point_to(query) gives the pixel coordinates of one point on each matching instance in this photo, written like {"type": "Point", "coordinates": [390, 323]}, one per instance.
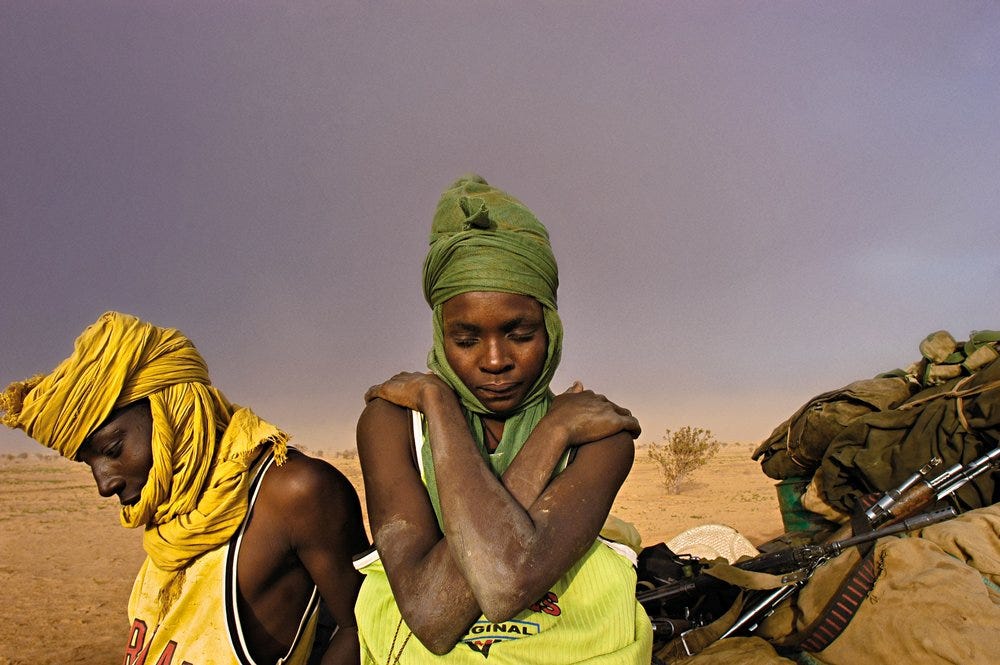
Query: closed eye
{"type": "Point", "coordinates": [522, 333]}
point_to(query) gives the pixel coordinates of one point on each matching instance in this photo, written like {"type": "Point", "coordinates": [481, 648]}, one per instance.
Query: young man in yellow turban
{"type": "Point", "coordinates": [245, 536]}
{"type": "Point", "coordinates": [486, 493]}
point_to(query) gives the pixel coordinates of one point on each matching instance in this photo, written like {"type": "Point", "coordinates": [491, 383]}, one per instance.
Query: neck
{"type": "Point", "coordinates": [493, 432]}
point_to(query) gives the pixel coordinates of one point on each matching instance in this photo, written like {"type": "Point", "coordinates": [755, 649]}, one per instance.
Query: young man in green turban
{"type": "Point", "coordinates": [486, 493]}
{"type": "Point", "coordinates": [244, 535]}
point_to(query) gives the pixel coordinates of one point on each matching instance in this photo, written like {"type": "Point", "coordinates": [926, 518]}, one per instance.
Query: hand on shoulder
{"type": "Point", "coordinates": [411, 390]}
{"type": "Point", "coordinates": [588, 416]}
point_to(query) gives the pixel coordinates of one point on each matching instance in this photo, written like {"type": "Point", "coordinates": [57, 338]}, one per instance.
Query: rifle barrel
{"type": "Point", "coordinates": [907, 524]}
{"type": "Point", "coordinates": [792, 558]}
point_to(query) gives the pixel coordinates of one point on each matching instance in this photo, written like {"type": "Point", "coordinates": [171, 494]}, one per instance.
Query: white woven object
{"type": "Point", "coordinates": [711, 541]}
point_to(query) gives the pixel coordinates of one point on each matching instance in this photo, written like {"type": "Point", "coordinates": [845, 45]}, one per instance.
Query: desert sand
{"type": "Point", "coordinates": [66, 564]}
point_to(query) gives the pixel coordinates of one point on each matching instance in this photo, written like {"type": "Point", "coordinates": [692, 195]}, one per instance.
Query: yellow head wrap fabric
{"type": "Point", "coordinates": [202, 446]}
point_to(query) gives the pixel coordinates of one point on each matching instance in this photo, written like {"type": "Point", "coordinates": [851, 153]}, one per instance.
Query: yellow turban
{"type": "Point", "coordinates": [196, 494]}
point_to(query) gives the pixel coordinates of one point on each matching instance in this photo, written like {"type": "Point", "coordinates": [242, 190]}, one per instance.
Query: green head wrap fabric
{"type": "Point", "coordinates": [483, 239]}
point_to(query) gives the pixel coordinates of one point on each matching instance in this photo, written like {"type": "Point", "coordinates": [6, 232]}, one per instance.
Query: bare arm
{"type": "Point", "coordinates": [508, 553]}
{"type": "Point", "coordinates": [433, 597]}
{"type": "Point", "coordinates": [430, 588]}
{"type": "Point", "coordinates": [323, 518]}
{"type": "Point", "coordinates": [570, 421]}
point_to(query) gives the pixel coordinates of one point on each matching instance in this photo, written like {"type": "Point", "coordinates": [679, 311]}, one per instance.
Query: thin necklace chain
{"type": "Point", "coordinates": [492, 440]}
{"type": "Point", "coordinates": [394, 661]}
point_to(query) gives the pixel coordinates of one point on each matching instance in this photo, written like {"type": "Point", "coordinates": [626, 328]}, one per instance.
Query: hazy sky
{"type": "Point", "coordinates": [750, 202]}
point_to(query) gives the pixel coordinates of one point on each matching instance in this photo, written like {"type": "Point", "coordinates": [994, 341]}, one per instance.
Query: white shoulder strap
{"type": "Point", "coordinates": [418, 439]}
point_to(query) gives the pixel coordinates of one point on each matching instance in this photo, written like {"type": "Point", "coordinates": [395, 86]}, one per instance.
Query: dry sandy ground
{"type": "Point", "coordinates": [66, 565]}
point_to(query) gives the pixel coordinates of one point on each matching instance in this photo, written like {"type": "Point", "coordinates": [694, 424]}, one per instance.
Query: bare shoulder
{"type": "Point", "coordinates": [394, 489]}
{"type": "Point", "coordinates": [381, 419]}
{"type": "Point", "coordinates": [384, 436]}
{"type": "Point", "coordinates": [304, 527]}
{"type": "Point", "coordinates": [607, 461]}
{"type": "Point", "coordinates": [308, 482]}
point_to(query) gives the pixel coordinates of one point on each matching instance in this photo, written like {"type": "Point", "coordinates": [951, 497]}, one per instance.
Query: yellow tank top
{"type": "Point", "coordinates": [589, 616]}
{"type": "Point", "coordinates": [202, 625]}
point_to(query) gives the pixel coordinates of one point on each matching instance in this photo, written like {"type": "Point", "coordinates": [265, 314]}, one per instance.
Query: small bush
{"type": "Point", "coordinates": [681, 452]}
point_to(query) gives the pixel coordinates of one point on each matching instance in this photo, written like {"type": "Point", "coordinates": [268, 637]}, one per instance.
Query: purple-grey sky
{"type": "Point", "coordinates": [750, 202]}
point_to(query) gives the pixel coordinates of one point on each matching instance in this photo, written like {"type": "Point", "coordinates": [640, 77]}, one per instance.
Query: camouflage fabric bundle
{"type": "Point", "coordinates": [957, 421]}
{"type": "Point", "coordinates": [796, 446]}
{"type": "Point", "coordinates": [944, 359]}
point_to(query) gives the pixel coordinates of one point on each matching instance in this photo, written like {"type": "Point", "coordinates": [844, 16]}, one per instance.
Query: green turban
{"type": "Point", "coordinates": [483, 239]}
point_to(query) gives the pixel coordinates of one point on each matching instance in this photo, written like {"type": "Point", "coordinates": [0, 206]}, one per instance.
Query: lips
{"type": "Point", "coordinates": [500, 390]}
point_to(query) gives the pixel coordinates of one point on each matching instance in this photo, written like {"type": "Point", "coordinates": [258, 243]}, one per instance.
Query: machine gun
{"type": "Point", "coordinates": [794, 564]}
{"type": "Point", "coordinates": [897, 510]}
{"type": "Point", "coordinates": [761, 607]}
{"type": "Point", "coordinates": [917, 492]}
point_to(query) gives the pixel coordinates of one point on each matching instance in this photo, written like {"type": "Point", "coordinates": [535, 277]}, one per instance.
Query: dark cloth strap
{"type": "Point", "coordinates": [855, 587]}
{"type": "Point", "coordinates": [839, 611]}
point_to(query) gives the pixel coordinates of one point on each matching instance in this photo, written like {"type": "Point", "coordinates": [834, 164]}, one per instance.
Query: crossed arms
{"type": "Point", "coordinates": [506, 541]}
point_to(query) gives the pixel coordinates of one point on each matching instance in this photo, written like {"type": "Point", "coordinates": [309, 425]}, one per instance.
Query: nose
{"type": "Point", "coordinates": [496, 357]}
{"type": "Point", "coordinates": [108, 482]}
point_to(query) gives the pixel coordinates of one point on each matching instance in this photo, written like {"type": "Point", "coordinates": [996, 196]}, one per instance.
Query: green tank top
{"type": "Point", "coordinates": [589, 616]}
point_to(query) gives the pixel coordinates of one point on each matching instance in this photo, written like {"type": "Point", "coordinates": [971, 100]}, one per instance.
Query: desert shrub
{"type": "Point", "coordinates": [681, 452]}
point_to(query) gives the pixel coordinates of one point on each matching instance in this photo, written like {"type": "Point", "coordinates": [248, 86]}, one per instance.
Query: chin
{"type": "Point", "coordinates": [504, 409]}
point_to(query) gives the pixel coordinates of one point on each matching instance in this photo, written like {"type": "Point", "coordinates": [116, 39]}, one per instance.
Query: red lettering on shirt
{"type": "Point", "coordinates": [549, 603]}
{"type": "Point", "coordinates": [138, 649]}
{"type": "Point", "coordinates": [135, 652]}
